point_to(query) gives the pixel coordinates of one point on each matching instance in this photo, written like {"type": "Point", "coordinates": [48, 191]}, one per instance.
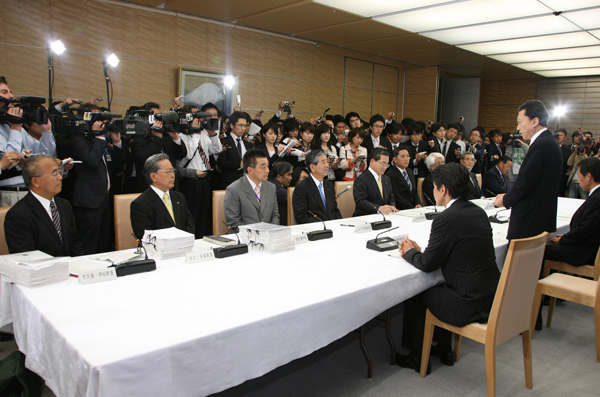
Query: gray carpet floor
{"type": "Point", "coordinates": [564, 363]}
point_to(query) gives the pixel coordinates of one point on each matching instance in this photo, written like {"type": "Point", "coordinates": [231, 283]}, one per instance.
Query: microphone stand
{"type": "Point", "coordinates": [384, 244]}
{"type": "Point", "coordinates": [430, 215]}
{"type": "Point", "coordinates": [231, 250]}
{"type": "Point", "coordinates": [319, 234]}
{"type": "Point", "coordinates": [384, 224]}
{"type": "Point", "coordinates": [494, 218]}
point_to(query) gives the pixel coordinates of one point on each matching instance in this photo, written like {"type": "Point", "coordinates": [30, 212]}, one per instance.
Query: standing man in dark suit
{"type": "Point", "coordinates": [91, 200]}
{"type": "Point", "coordinates": [534, 196]}
{"type": "Point", "coordinates": [417, 148]}
{"type": "Point", "coordinates": [468, 160]}
{"type": "Point", "coordinates": [494, 149]}
{"type": "Point", "coordinates": [580, 245]}
{"type": "Point", "coordinates": [437, 133]}
{"type": "Point", "coordinates": [465, 253]}
{"type": "Point", "coordinates": [375, 138]}
{"type": "Point", "coordinates": [495, 180]}
{"type": "Point", "coordinates": [230, 161]}
{"type": "Point", "coordinates": [315, 194]}
{"type": "Point", "coordinates": [566, 153]}
{"type": "Point", "coordinates": [42, 220]}
{"type": "Point", "coordinates": [372, 190]}
{"type": "Point", "coordinates": [450, 149]}
{"type": "Point", "coordinates": [160, 207]}
{"type": "Point", "coordinates": [404, 185]}
{"type": "Point", "coordinates": [477, 150]}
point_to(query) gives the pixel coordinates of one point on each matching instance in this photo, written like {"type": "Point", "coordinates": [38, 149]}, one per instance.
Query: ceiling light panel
{"type": "Point", "coordinates": [527, 27]}
{"type": "Point", "coordinates": [570, 72]}
{"type": "Point", "coordinates": [463, 14]}
{"type": "Point", "coordinates": [554, 65]}
{"type": "Point", "coordinates": [549, 55]}
{"type": "Point", "coordinates": [379, 7]}
{"type": "Point", "coordinates": [588, 19]}
{"type": "Point", "coordinates": [565, 40]}
{"type": "Point", "coordinates": [563, 5]}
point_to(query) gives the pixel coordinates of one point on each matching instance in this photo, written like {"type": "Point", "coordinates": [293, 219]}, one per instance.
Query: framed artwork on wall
{"type": "Point", "coordinates": [200, 87]}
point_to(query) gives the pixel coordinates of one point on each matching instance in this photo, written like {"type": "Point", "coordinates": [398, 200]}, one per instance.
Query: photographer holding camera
{"type": "Point", "coordinates": [516, 149]}
{"type": "Point", "coordinates": [91, 203]}
{"type": "Point", "coordinates": [574, 189]}
{"type": "Point", "coordinates": [13, 138]}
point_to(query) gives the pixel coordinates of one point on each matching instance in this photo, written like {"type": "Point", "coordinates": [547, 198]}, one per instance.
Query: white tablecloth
{"type": "Point", "coordinates": [196, 329]}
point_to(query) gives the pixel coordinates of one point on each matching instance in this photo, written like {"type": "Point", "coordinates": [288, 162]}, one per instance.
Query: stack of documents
{"type": "Point", "coordinates": [34, 268]}
{"type": "Point", "coordinates": [267, 237]}
{"type": "Point", "coordinates": [168, 243]}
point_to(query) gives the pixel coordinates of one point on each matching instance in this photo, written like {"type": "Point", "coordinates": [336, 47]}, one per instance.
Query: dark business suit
{"type": "Point", "coordinates": [428, 190]}
{"type": "Point", "coordinates": [368, 144]}
{"type": "Point", "coordinates": [465, 253]}
{"type": "Point", "coordinates": [534, 196]}
{"type": "Point", "coordinates": [229, 161]}
{"type": "Point", "coordinates": [307, 198]}
{"type": "Point", "coordinates": [580, 245]}
{"type": "Point", "coordinates": [494, 182]}
{"type": "Point", "coordinates": [281, 200]}
{"type": "Point", "coordinates": [450, 156]}
{"type": "Point", "coordinates": [566, 153]}
{"type": "Point", "coordinates": [148, 212]}
{"type": "Point", "coordinates": [493, 150]}
{"type": "Point", "coordinates": [272, 159]}
{"type": "Point", "coordinates": [367, 196]}
{"type": "Point", "coordinates": [478, 153]}
{"type": "Point", "coordinates": [474, 189]}
{"type": "Point", "coordinates": [28, 227]}
{"type": "Point", "coordinates": [422, 170]}
{"type": "Point", "coordinates": [405, 197]}
{"type": "Point", "coordinates": [91, 202]}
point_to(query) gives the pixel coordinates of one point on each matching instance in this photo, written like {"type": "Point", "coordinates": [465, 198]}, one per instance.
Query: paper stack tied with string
{"type": "Point", "coordinates": [168, 243]}
{"type": "Point", "coordinates": [34, 268]}
{"type": "Point", "coordinates": [267, 237]}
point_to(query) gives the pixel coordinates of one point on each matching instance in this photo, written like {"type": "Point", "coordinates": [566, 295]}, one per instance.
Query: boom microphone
{"type": "Point", "coordinates": [343, 191]}
{"type": "Point", "coordinates": [384, 224]}
{"type": "Point", "coordinates": [170, 116]}
{"type": "Point", "coordinates": [431, 215]}
{"type": "Point", "coordinates": [319, 234]}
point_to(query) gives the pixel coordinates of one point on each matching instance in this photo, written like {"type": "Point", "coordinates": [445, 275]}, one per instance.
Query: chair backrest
{"type": "Point", "coordinates": [345, 202]}
{"type": "Point", "coordinates": [478, 177]}
{"type": "Point", "coordinates": [420, 190]}
{"type": "Point", "coordinates": [290, 207]}
{"type": "Point", "coordinates": [596, 265]}
{"type": "Point", "coordinates": [219, 227]}
{"type": "Point", "coordinates": [512, 308]}
{"type": "Point", "coordinates": [123, 231]}
{"type": "Point", "coordinates": [3, 245]}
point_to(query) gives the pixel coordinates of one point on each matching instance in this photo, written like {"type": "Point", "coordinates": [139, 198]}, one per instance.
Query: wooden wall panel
{"type": "Point", "coordinates": [420, 106]}
{"type": "Point", "coordinates": [385, 78]}
{"type": "Point", "coordinates": [359, 74]}
{"type": "Point", "coordinates": [420, 93]}
{"type": "Point", "coordinates": [421, 81]}
{"type": "Point", "coordinates": [31, 60]}
{"type": "Point", "coordinates": [325, 96]}
{"type": "Point", "coordinates": [384, 102]}
{"type": "Point", "coordinates": [499, 101]}
{"type": "Point", "coordinates": [25, 22]}
{"type": "Point", "coordinates": [358, 100]}
{"type": "Point", "coordinates": [327, 65]}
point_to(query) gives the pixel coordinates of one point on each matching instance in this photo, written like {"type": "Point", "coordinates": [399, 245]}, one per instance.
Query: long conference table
{"type": "Point", "coordinates": [193, 329]}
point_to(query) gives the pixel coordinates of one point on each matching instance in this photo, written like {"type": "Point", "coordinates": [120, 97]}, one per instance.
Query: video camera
{"type": "Point", "coordinates": [514, 138]}
{"type": "Point", "coordinates": [79, 121]}
{"type": "Point", "coordinates": [33, 110]}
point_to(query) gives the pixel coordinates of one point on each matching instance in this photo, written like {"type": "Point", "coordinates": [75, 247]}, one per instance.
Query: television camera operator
{"type": "Point", "coordinates": [14, 138]}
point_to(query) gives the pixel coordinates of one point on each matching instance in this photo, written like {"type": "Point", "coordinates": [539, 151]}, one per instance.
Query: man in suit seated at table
{"type": "Point", "coordinates": [579, 246]}
{"type": "Point", "coordinates": [495, 180]}
{"type": "Point", "coordinates": [249, 200]}
{"type": "Point", "coordinates": [432, 161]}
{"type": "Point", "coordinates": [315, 194]}
{"type": "Point", "coordinates": [404, 185]}
{"type": "Point", "coordinates": [160, 207]}
{"type": "Point", "coordinates": [468, 160]}
{"type": "Point", "coordinates": [465, 253]}
{"type": "Point", "coordinates": [42, 220]}
{"type": "Point", "coordinates": [372, 189]}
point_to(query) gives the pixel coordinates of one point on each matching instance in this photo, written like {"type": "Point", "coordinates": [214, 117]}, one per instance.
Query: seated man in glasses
{"type": "Point", "coordinates": [41, 220]}
{"type": "Point", "coordinates": [160, 207]}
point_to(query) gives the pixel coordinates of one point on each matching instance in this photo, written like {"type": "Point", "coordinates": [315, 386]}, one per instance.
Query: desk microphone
{"type": "Point", "coordinates": [431, 215]}
{"type": "Point", "coordinates": [378, 225]}
{"type": "Point", "coordinates": [494, 218]}
{"type": "Point", "coordinates": [231, 250]}
{"type": "Point", "coordinates": [490, 192]}
{"type": "Point", "coordinates": [319, 234]}
{"type": "Point", "coordinates": [343, 191]}
{"type": "Point", "coordinates": [384, 244]}
{"type": "Point", "coordinates": [138, 266]}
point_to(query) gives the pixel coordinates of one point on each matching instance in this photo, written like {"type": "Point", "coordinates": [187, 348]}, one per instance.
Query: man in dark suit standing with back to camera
{"type": "Point", "coordinates": [160, 207]}
{"type": "Point", "coordinates": [315, 194]}
{"type": "Point", "coordinates": [372, 190]}
{"type": "Point", "coordinates": [534, 197]}
{"type": "Point", "coordinates": [465, 253]}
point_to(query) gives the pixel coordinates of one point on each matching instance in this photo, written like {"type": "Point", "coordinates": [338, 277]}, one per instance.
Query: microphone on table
{"type": "Point", "coordinates": [490, 192]}
{"type": "Point", "coordinates": [138, 266]}
{"type": "Point", "coordinates": [431, 215]}
{"type": "Point", "coordinates": [494, 218]}
{"type": "Point", "coordinates": [384, 244]}
{"type": "Point", "coordinates": [384, 224]}
{"type": "Point", "coordinates": [230, 250]}
{"type": "Point", "coordinates": [319, 234]}
{"type": "Point", "coordinates": [343, 191]}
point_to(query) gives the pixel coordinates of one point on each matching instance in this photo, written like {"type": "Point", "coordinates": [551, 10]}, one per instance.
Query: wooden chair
{"type": "Point", "coordinates": [478, 177]}
{"type": "Point", "coordinates": [585, 270]}
{"type": "Point", "coordinates": [219, 228]}
{"type": "Point", "coordinates": [345, 202]}
{"type": "Point", "coordinates": [573, 289]}
{"type": "Point", "coordinates": [124, 238]}
{"type": "Point", "coordinates": [420, 190]}
{"type": "Point", "coordinates": [290, 208]}
{"type": "Point", "coordinates": [3, 245]}
{"type": "Point", "coordinates": [511, 312]}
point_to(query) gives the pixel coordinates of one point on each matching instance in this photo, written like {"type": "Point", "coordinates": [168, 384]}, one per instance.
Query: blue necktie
{"type": "Point", "coordinates": [322, 195]}
{"type": "Point", "coordinates": [407, 180]}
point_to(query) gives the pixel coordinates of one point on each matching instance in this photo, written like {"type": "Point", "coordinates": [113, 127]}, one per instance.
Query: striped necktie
{"type": "Point", "coordinates": [56, 220]}
{"type": "Point", "coordinates": [407, 180]}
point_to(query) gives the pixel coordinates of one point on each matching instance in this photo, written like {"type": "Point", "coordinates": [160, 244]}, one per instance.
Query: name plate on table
{"type": "Point", "coordinates": [490, 206]}
{"type": "Point", "coordinates": [419, 218]}
{"type": "Point", "coordinates": [363, 228]}
{"type": "Point", "coordinates": [97, 276]}
{"type": "Point", "coordinates": [300, 238]}
{"type": "Point", "coordinates": [199, 256]}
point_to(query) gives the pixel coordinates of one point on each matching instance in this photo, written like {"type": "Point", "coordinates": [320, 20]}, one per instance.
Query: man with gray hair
{"type": "Point", "coordinates": [315, 194]}
{"type": "Point", "coordinates": [432, 161]}
{"type": "Point", "coordinates": [41, 220]}
{"type": "Point", "coordinates": [160, 207]}
{"type": "Point", "coordinates": [468, 160]}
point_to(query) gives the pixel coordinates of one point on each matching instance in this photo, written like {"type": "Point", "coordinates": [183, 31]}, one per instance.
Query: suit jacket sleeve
{"type": "Point", "coordinates": [76, 245]}
{"type": "Point", "coordinates": [275, 213]}
{"type": "Point", "coordinates": [386, 182]}
{"type": "Point", "coordinates": [190, 224]}
{"type": "Point", "coordinates": [16, 228]}
{"type": "Point", "coordinates": [300, 204]}
{"type": "Point", "coordinates": [141, 217]}
{"type": "Point", "coordinates": [587, 226]}
{"type": "Point", "coordinates": [91, 157]}
{"type": "Point", "coordinates": [438, 249]}
{"type": "Point", "coordinates": [401, 202]}
{"type": "Point", "coordinates": [227, 160]}
{"type": "Point", "coordinates": [232, 207]}
{"type": "Point", "coordinates": [528, 172]}
{"type": "Point", "coordinates": [360, 191]}
{"type": "Point", "coordinates": [491, 182]}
